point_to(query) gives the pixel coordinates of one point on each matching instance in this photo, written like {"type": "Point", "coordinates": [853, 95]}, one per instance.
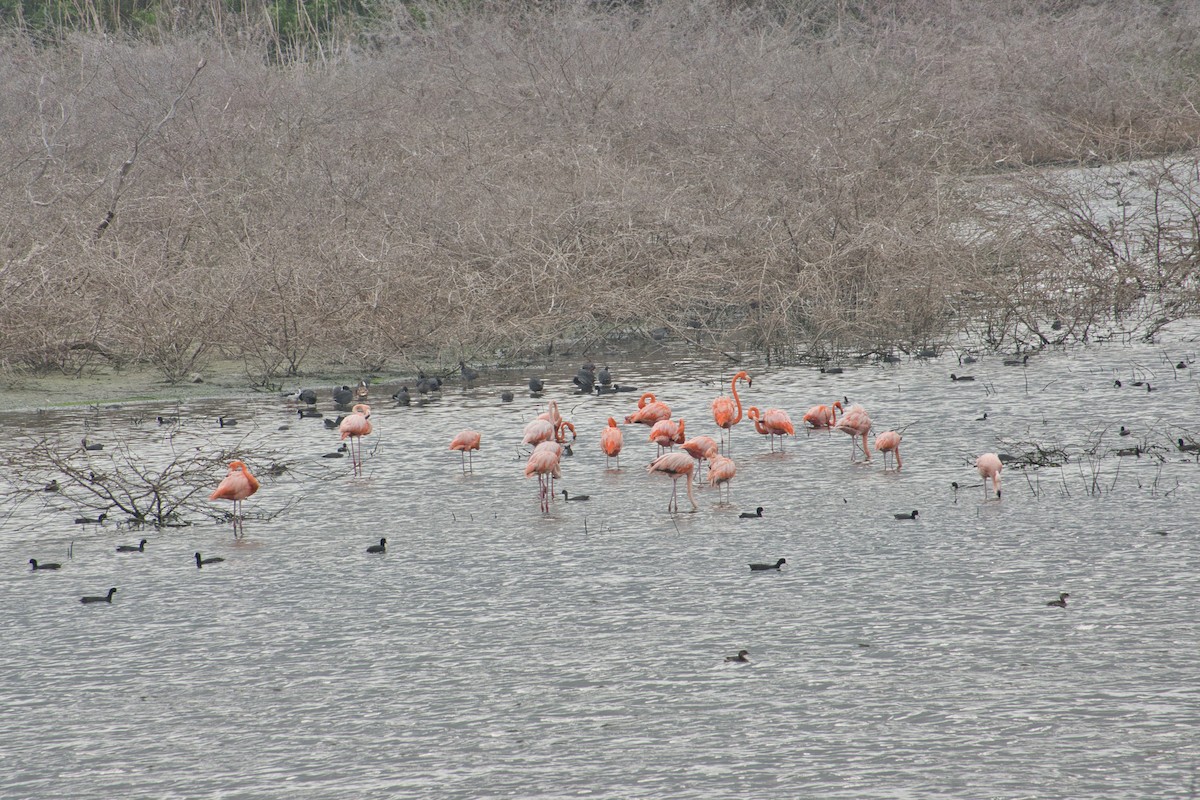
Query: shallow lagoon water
{"type": "Point", "coordinates": [495, 651]}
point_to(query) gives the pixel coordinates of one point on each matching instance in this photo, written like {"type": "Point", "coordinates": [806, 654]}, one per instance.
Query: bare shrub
{"type": "Point", "coordinates": [497, 178]}
{"type": "Point", "coordinates": [160, 489]}
{"type": "Point", "coordinates": [1091, 254]}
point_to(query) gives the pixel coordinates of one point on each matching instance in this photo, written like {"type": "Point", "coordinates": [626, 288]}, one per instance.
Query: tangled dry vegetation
{"type": "Point", "coordinates": [482, 183]}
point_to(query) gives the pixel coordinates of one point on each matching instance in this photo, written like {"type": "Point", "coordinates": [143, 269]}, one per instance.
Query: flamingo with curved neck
{"type": "Point", "coordinates": [823, 416]}
{"type": "Point", "coordinates": [650, 410]}
{"type": "Point", "coordinates": [773, 422]}
{"type": "Point", "coordinates": [726, 412]}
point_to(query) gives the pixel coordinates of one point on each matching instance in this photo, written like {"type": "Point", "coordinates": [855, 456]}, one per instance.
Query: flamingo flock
{"type": "Point", "coordinates": [549, 437]}
{"type": "Point", "coordinates": [546, 435]}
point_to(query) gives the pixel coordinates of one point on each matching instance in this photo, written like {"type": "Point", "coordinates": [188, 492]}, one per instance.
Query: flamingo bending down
{"type": "Point", "coordinates": [989, 466]}
{"type": "Point", "coordinates": [356, 425]}
{"type": "Point", "coordinates": [466, 442]}
{"type": "Point", "coordinates": [721, 470]}
{"type": "Point", "coordinates": [676, 465]}
{"type": "Point", "coordinates": [650, 410]}
{"type": "Point", "coordinates": [726, 412]}
{"type": "Point", "coordinates": [856, 423]}
{"type": "Point", "coordinates": [667, 433]}
{"type": "Point", "coordinates": [237, 485]}
{"type": "Point", "coordinates": [772, 422]}
{"type": "Point", "coordinates": [822, 416]}
{"type": "Point", "coordinates": [889, 442]}
{"type": "Point", "coordinates": [544, 462]}
{"type": "Point", "coordinates": [611, 440]}
{"type": "Point", "coordinates": [560, 436]}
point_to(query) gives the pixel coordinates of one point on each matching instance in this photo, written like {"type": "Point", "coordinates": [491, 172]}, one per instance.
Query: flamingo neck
{"type": "Point", "coordinates": [737, 417]}
{"type": "Point", "coordinates": [691, 497]}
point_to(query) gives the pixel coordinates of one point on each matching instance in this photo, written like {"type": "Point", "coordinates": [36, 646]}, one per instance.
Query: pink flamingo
{"type": "Point", "coordinates": [356, 425]}
{"type": "Point", "coordinates": [822, 416]}
{"type": "Point", "coordinates": [772, 422]}
{"type": "Point", "coordinates": [650, 410]}
{"type": "Point", "coordinates": [544, 462]}
{"type": "Point", "coordinates": [701, 448]}
{"type": "Point", "coordinates": [611, 440]}
{"type": "Point", "coordinates": [676, 465]}
{"type": "Point", "coordinates": [889, 442]}
{"type": "Point", "coordinates": [856, 423]}
{"type": "Point", "coordinates": [726, 412]}
{"type": "Point", "coordinates": [721, 470]}
{"type": "Point", "coordinates": [465, 442]}
{"type": "Point", "coordinates": [989, 466]}
{"type": "Point", "coordinates": [237, 485]}
{"type": "Point", "coordinates": [667, 433]}
{"type": "Point", "coordinates": [560, 435]}
{"type": "Point", "coordinates": [538, 431]}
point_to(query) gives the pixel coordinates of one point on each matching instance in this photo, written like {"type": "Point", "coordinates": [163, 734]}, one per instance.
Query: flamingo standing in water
{"type": "Point", "coordinates": [466, 442]}
{"type": "Point", "coordinates": [356, 425]}
{"type": "Point", "coordinates": [237, 485]}
{"type": "Point", "coordinates": [822, 417]}
{"type": "Point", "coordinates": [667, 433]}
{"type": "Point", "coordinates": [701, 448]}
{"type": "Point", "coordinates": [650, 410]}
{"type": "Point", "coordinates": [544, 462]}
{"type": "Point", "coordinates": [772, 422]}
{"type": "Point", "coordinates": [989, 466]}
{"type": "Point", "coordinates": [889, 442]}
{"type": "Point", "coordinates": [676, 465]}
{"type": "Point", "coordinates": [611, 440]}
{"type": "Point", "coordinates": [726, 412]}
{"type": "Point", "coordinates": [856, 423]}
{"type": "Point", "coordinates": [721, 470]}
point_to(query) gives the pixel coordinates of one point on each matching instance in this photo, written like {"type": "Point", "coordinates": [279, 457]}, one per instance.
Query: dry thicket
{"type": "Point", "coordinates": [466, 183]}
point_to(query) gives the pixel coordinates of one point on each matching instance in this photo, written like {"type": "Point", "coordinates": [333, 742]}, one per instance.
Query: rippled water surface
{"type": "Point", "coordinates": [495, 651]}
